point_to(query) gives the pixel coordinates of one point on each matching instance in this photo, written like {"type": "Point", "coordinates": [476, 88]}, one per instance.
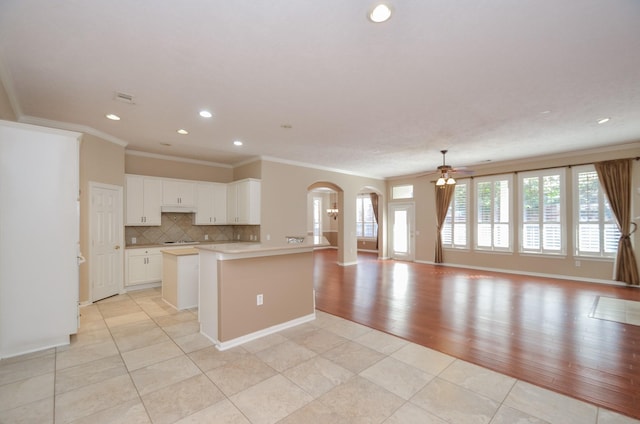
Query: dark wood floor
{"type": "Point", "coordinates": [534, 329]}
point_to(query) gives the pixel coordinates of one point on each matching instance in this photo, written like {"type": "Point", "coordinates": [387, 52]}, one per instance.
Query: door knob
{"type": "Point", "coordinates": [117, 246]}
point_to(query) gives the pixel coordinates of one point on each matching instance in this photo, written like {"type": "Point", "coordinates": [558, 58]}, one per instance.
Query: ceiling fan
{"type": "Point", "coordinates": [445, 172]}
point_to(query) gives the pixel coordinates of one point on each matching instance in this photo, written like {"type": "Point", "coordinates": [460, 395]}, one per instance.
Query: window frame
{"type": "Point", "coordinates": [363, 222]}
{"type": "Point", "coordinates": [478, 181]}
{"type": "Point", "coordinates": [396, 192]}
{"type": "Point", "coordinates": [603, 201]}
{"type": "Point", "coordinates": [541, 174]}
{"type": "Point", "coordinates": [318, 208]}
{"type": "Point", "coordinates": [451, 221]}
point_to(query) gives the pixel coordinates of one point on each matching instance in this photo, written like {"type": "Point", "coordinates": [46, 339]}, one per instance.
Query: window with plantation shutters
{"type": "Point", "coordinates": [597, 233]}
{"type": "Point", "coordinates": [456, 225]}
{"type": "Point", "coordinates": [542, 217]}
{"type": "Point", "coordinates": [366, 225]}
{"type": "Point", "coordinates": [493, 213]}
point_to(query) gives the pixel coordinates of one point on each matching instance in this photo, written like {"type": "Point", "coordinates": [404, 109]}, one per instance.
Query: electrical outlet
{"type": "Point", "coordinates": [206, 236]}
{"type": "Point", "coordinates": [577, 264]}
{"type": "Point", "coordinates": [259, 299]}
{"type": "Point", "coordinates": [133, 240]}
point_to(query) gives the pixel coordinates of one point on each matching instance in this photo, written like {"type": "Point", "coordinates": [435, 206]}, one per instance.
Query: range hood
{"type": "Point", "coordinates": [180, 209]}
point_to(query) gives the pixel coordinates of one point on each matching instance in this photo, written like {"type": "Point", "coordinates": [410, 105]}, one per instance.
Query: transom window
{"type": "Point", "coordinates": [402, 192]}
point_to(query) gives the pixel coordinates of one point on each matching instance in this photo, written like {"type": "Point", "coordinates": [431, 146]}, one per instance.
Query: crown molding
{"type": "Point", "coordinates": [321, 168]}
{"type": "Point", "coordinates": [71, 127]}
{"type": "Point", "coordinates": [176, 159]}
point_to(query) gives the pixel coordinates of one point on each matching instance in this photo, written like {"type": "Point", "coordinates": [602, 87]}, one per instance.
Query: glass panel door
{"type": "Point", "coordinates": [402, 240]}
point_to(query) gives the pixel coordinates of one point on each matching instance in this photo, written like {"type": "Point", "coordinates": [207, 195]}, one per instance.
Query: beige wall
{"type": "Point", "coordinates": [284, 203]}
{"type": "Point", "coordinates": [424, 192]}
{"type": "Point", "coordinates": [248, 170]}
{"type": "Point", "coordinates": [103, 162]}
{"type": "Point", "coordinates": [145, 165]}
{"type": "Point", "coordinates": [287, 292]}
{"type": "Point", "coordinates": [6, 110]}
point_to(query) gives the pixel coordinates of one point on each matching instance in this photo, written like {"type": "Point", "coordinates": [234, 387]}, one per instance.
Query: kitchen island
{"type": "Point", "coordinates": [180, 277]}
{"type": "Point", "coordinates": [249, 290]}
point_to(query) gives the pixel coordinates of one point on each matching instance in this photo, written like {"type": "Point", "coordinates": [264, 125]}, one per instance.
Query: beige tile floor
{"type": "Point", "coordinates": [618, 310]}
{"type": "Point", "coordinates": [137, 360]}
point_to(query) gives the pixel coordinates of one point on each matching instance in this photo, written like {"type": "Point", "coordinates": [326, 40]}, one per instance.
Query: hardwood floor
{"type": "Point", "coordinates": [531, 328]}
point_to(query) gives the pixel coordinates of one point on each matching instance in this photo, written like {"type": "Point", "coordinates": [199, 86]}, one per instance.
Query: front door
{"type": "Point", "coordinates": [106, 257]}
{"type": "Point", "coordinates": [402, 232]}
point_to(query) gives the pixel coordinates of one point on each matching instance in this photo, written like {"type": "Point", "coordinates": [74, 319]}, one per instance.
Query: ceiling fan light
{"type": "Point", "coordinates": [451, 181]}
{"type": "Point", "coordinates": [440, 181]}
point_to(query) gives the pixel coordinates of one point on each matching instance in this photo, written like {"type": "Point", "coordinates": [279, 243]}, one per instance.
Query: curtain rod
{"type": "Point", "coordinates": [538, 169]}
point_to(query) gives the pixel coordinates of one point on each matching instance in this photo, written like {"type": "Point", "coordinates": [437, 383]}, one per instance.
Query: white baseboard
{"type": "Point", "coordinates": [531, 274]}
{"type": "Point", "coordinates": [261, 333]}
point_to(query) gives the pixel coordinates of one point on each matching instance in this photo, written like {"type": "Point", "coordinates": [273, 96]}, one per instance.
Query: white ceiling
{"type": "Point", "coordinates": [472, 76]}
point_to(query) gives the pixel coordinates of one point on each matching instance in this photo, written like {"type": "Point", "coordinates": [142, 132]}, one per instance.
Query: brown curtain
{"type": "Point", "coordinates": [374, 205]}
{"type": "Point", "coordinates": [615, 179]}
{"type": "Point", "coordinates": [444, 194]}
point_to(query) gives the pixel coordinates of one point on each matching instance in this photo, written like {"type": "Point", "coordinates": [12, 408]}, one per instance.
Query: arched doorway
{"type": "Point", "coordinates": [324, 217]}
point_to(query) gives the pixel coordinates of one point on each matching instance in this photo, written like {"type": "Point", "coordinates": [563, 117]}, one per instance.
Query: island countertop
{"type": "Point", "coordinates": [180, 252]}
{"type": "Point", "coordinates": [249, 250]}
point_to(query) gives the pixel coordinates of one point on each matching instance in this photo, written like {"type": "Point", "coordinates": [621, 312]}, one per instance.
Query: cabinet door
{"type": "Point", "coordinates": [248, 202]}
{"type": "Point", "coordinates": [143, 200]}
{"type": "Point", "coordinates": [219, 204]}
{"type": "Point", "coordinates": [154, 266]}
{"type": "Point", "coordinates": [204, 204]}
{"type": "Point", "coordinates": [134, 206]}
{"type": "Point", "coordinates": [152, 201]}
{"type": "Point", "coordinates": [178, 193]}
{"type": "Point", "coordinates": [232, 203]}
{"type": "Point", "coordinates": [136, 269]}
{"type": "Point", "coordinates": [242, 202]}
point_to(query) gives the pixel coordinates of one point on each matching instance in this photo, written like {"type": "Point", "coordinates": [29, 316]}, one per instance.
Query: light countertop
{"type": "Point", "coordinates": [245, 250]}
{"type": "Point", "coordinates": [181, 252]}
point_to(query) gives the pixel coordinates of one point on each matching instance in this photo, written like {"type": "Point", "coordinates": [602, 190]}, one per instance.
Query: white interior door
{"type": "Point", "coordinates": [106, 257]}
{"type": "Point", "coordinates": [402, 231]}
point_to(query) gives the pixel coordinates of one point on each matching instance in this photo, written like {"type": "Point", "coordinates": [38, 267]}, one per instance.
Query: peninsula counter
{"type": "Point", "coordinates": [249, 290]}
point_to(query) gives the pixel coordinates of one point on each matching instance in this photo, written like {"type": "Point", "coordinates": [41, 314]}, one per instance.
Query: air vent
{"type": "Point", "coordinates": [123, 97]}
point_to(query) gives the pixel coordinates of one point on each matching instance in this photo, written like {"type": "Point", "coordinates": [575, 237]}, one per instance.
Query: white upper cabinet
{"type": "Point", "coordinates": [243, 202]}
{"type": "Point", "coordinates": [143, 200]}
{"type": "Point", "coordinates": [178, 193]}
{"type": "Point", "coordinates": [211, 204]}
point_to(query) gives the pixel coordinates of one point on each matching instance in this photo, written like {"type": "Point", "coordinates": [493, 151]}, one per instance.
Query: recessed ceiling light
{"type": "Point", "coordinates": [237, 143]}
{"type": "Point", "coordinates": [603, 120]}
{"type": "Point", "coordinates": [380, 13]}
{"type": "Point", "coordinates": [112, 116]}
{"type": "Point", "coordinates": [205, 114]}
{"type": "Point", "coordinates": [183, 131]}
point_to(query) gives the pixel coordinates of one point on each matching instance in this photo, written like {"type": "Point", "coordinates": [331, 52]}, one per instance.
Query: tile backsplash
{"type": "Point", "coordinates": [179, 227]}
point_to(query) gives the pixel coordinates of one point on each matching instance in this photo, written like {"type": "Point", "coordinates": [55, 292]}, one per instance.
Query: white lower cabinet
{"type": "Point", "coordinates": [143, 266]}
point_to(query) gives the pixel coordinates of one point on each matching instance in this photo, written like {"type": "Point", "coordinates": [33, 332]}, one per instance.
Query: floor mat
{"type": "Point", "coordinates": [618, 310]}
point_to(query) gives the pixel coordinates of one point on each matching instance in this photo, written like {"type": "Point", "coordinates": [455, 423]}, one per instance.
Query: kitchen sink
{"type": "Point", "coordinates": [180, 242]}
